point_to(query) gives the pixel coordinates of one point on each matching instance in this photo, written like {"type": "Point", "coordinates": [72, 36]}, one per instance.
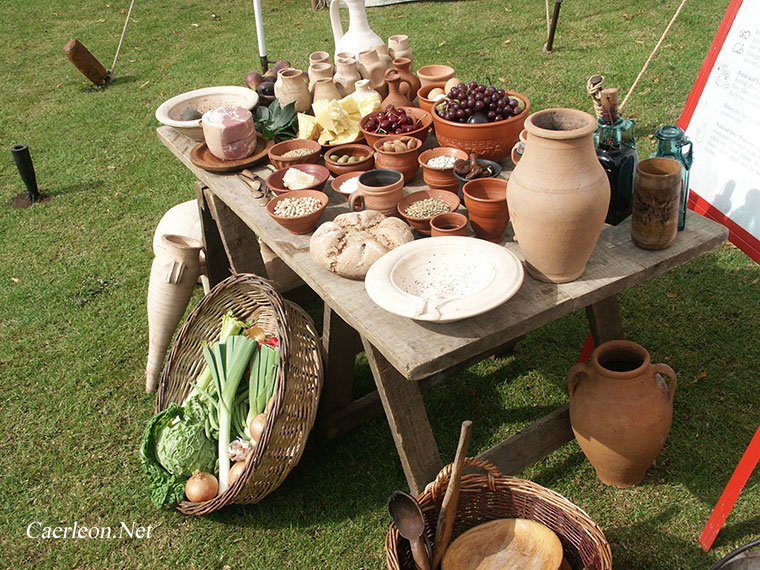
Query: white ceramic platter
{"type": "Point", "coordinates": [444, 279]}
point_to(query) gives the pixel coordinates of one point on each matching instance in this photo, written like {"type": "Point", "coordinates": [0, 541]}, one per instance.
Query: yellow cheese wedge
{"type": "Point", "coordinates": [308, 127]}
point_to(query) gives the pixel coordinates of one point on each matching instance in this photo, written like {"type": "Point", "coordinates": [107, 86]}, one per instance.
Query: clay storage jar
{"type": "Point", "coordinates": [656, 199]}
{"type": "Point", "coordinates": [486, 203]}
{"type": "Point", "coordinates": [558, 195]}
{"type": "Point", "coordinates": [290, 87]}
{"type": "Point", "coordinates": [621, 410]}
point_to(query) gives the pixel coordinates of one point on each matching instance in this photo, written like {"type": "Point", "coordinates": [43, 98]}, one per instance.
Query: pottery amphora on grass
{"type": "Point", "coordinates": [621, 410]}
{"type": "Point", "coordinates": [558, 195]}
{"type": "Point", "coordinates": [656, 201]}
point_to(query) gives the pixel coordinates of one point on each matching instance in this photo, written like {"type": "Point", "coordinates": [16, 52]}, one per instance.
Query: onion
{"type": "Point", "coordinates": [256, 427]}
{"type": "Point", "coordinates": [201, 487]}
{"type": "Point", "coordinates": [235, 472]}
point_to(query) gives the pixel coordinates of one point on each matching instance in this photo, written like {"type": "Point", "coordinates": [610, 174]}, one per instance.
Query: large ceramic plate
{"type": "Point", "coordinates": [444, 279]}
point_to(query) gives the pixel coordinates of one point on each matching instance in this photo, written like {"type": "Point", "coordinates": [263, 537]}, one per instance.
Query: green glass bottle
{"type": "Point", "coordinates": [672, 143]}
{"type": "Point", "coordinates": [615, 141]}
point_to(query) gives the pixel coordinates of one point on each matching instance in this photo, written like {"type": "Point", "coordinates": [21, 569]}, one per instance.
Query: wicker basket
{"type": "Point", "coordinates": [489, 496]}
{"type": "Point", "coordinates": [299, 380]}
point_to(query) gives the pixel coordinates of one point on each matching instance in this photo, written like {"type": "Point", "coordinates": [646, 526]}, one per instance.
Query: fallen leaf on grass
{"type": "Point", "coordinates": [111, 167]}
{"type": "Point", "coordinates": [671, 295]}
{"type": "Point", "coordinates": [144, 84]}
{"type": "Point", "coordinates": [194, 25]}
{"type": "Point", "coordinates": [443, 43]}
{"type": "Point", "coordinates": [507, 41]}
{"type": "Point", "coordinates": [755, 281]}
{"type": "Point", "coordinates": [99, 21]}
{"type": "Point", "coordinates": [701, 376]}
{"type": "Point", "coordinates": [640, 42]}
{"type": "Point", "coordinates": [15, 279]}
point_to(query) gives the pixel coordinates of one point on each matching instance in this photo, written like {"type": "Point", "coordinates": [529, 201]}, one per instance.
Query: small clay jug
{"type": "Point", "coordinates": [379, 190]}
{"type": "Point", "coordinates": [621, 410]}
{"type": "Point", "coordinates": [404, 66]}
{"type": "Point", "coordinates": [290, 87]}
{"type": "Point", "coordinates": [319, 57]}
{"type": "Point", "coordinates": [319, 71]}
{"type": "Point", "coordinates": [656, 201]}
{"type": "Point", "coordinates": [486, 203]}
{"type": "Point", "coordinates": [398, 46]}
{"type": "Point", "coordinates": [325, 89]}
{"type": "Point", "coordinates": [384, 56]}
{"type": "Point", "coordinates": [173, 276]}
{"type": "Point", "coordinates": [404, 161]}
{"type": "Point", "coordinates": [346, 75]}
{"type": "Point", "coordinates": [395, 96]}
{"type": "Point", "coordinates": [371, 68]}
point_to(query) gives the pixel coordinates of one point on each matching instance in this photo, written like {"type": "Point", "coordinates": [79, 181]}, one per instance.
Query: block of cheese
{"type": "Point", "coordinates": [229, 132]}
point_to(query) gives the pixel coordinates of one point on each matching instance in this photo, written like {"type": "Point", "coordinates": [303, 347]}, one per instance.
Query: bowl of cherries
{"type": "Point", "coordinates": [392, 120]}
{"type": "Point", "coordinates": [480, 119]}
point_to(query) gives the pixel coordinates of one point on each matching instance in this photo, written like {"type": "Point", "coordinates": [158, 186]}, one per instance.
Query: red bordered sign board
{"type": "Point", "coordinates": [722, 119]}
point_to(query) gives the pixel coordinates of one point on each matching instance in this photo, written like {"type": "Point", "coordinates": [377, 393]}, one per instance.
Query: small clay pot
{"type": "Point", "coordinates": [450, 224]}
{"type": "Point", "coordinates": [436, 75]}
{"type": "Point", "coordinates": [317, 71]}
{"type": "Point", "coordinates": [486, 203]}
{"type": "Point", "coordinates": [422, 225]}
{"type": "Point", "coordinates": [422, 118]}
{"type": "Point", "coordinates": [482, 162]}
{"type": "Point", "coordinates": [277, 151]}
{"type": "Point", "coordinates": [442, 178]}
{"type": "Point", "coordinates": [380, 190]}
{"type": "Point", "coordinates": [299, 224]}
{"type": "Point", "coordinates": [405, 161]}
{"type": "Point", "coordinates": [275, 180]}
{"type": "Point", "coordinates": [338, 181]}
{"type": "Point", "coordinates": [319, 57]}
{"type": "Point", "coordinates": [366, 160]}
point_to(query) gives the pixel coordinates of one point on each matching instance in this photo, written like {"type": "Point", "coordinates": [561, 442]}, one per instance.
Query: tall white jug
{"type": "Point", "coordinates": [359, 36]}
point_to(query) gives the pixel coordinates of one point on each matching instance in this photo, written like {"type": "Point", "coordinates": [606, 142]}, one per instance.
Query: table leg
{"type": "Point", "coordinates": [217, 265]}
{"type": "Point", "coordinates": [408, 421]}
{"type": "Point", "coordinates": [605, 321]}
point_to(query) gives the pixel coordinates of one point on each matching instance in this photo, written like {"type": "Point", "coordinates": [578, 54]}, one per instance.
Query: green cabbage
{"type": "Point", "coordinates": [183, 447]}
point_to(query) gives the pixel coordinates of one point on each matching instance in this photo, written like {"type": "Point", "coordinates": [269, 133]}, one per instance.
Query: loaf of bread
{"type": "Point", "coordinates": [352, 242]}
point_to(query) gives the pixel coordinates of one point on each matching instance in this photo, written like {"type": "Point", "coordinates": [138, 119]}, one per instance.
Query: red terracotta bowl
{"type": "Point", "coordinates": [365, 159]}
{"type": "Point", "coordinates": [299, 224]}
{"type": "Point", "coordinates": [423, 118]}
{"type": "Point", "coordinates": [405, 161]}
{"type": "Point", "coordinates": [492, 141]}
{"type": "Point", "coordinates": [317, 171]}
{"type": "Point", "coordinates": [442, 178]}
{"type": "Point", "coordinates": [339, 180]}
{"type": "Point", "coordinates": [422, 225]}
{"type": "Point", "coordinates": [436, 75]}
{"type": "Point", "coordinates": [423, 100]}
{"type": "Point", "coordinates": [486, 203]}
{"type": "Point", "coordinates": [277, 151]}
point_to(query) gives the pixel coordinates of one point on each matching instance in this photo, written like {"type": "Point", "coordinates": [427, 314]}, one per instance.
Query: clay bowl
{"type": "Point", "coordinates": [442, 178]}
{"type": "Point", "coordinates": [492, 141]}
{"type": "Point", "coordinates": [424, 102]}
{"type": "Point", "coordinates": [299, 224]}
{"type": "Point", "coordinates": [486, 203]}
{"type": "Point", "coordinates": [422, 225]}
{"type": "Point", "coordinates": [365, 159]}
{"type": "Point", "coordinates": [339, 180]}
{"type": "Point", "coordinates": [436, 75]}
{"type": "Point", "coordinates": [277, 151]}
{"type": "Point", "coordinates": [423, 118]}
{"type": "Point", "coordinates": [482, 162]}
{"type": "Point", "coordinates": [404, 161]}
{"type": "Point", "coordinates": [319, 172]}
{"type": "Point", "coordinates": [450, 224]}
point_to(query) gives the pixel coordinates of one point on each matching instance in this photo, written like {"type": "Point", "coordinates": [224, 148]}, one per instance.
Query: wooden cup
{"type": "Point", "coordinates": [656, 196]}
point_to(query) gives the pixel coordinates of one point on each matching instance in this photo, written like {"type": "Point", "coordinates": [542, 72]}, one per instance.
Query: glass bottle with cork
{"type": "Point", "coordinates": [615, 141]}
{"type": "Point", "coordinates": [672, 143]}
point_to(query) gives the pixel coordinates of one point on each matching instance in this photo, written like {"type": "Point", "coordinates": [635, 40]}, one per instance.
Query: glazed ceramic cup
{"type": "Point", "coordinates": [656, 199]}
{"type": "Point", "coordinates": [450, 224]}
{"type": "Point", "coordinates": [380, 190]}
{"type": "Point", "coordinates": [486, 203]}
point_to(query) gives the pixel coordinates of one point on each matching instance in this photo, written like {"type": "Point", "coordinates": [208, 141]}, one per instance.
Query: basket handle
{"type": "Point", "coordinates": [439, 486]}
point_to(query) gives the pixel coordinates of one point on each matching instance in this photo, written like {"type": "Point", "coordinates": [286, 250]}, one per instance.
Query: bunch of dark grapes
{"type": "Point", "coordinates": [475, 103]}
{"type": "Point", "coordinates": [391, 121]}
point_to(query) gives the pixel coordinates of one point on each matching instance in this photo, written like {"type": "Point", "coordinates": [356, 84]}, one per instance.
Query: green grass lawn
{"type": "Point", "coordinates": [75, 271]}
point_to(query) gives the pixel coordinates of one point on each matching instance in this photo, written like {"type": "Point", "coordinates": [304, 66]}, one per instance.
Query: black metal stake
{"type": "Point", "coordinates": [25, 167]}
{"type": "Point", "coordinates": [553, 28]}
{"type": "Point", "coordinates": [264, 63]}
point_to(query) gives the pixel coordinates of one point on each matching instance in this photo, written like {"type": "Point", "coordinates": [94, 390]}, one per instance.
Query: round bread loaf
{"type": "Point", "coordinates": [352, 242]}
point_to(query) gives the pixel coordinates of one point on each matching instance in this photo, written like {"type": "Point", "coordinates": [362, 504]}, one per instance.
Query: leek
{"type": "Point", "coordinates": [227, 362]}
{"type": "Point", "coordinates": [262, 381]}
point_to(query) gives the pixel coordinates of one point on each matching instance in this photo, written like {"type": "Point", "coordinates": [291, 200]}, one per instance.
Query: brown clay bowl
{"type": "Point", "coordinates": [278, 187]}
{"type": "Point", "coordinates": [423, 100]}
{"type": "Point", "coordinates": [422, 225]}
{"type": "Point", "coordinates": [299, 224]}
{"type": "Point", "coordinates": [405, 161]}
{"type": "Point", "coordinates": [436, 75]}
{"type": "Point", "coordinates": [492, 141]}
{"type": "Point", "coordinates": [339, 180]}
{"type": "Point", "coordinates": [450, 224]}
{"type": "Point", "coordinates": [421, 117]}
{"type": "Point", "coordinates": [365, 159]}
{"type": "Point", "coordinates": [277, 152]}
{"type": "Point", "coordinates": [442, 178]}
{"type": "Point", "coordinates": [486, 203]}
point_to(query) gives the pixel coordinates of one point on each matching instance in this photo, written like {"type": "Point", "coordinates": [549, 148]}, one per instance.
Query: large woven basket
{"type": "Point", "coordinates": [489, 496]}
{"type": "Point", "coordinates": [299, 380]}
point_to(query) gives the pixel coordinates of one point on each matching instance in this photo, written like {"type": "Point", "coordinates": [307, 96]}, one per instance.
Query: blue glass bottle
{"type": "Point", "coordinates": [672, 143]}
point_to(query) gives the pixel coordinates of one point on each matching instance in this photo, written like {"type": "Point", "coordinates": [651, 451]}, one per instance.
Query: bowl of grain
{"type": "Point", "coordinates": [298, 211]}
{"type": "Point", "coordinates": [294, 151]}
{"type": "Point", "coordinates": [418, 208]}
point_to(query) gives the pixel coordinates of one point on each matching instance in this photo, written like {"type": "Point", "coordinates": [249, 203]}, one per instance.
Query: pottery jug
{"type": "Point", "coordinates": [380, 190]}
{"type": "Point", "coordinates": [396, 96]}
{"type": "Point", "coordinates": [398, 46]}
{"type": "Point", "coordinates": [319, 71]}
{"type": "Point", "coordinates": [404, 67]}
{"type": "Point", "coordinates": [371, 68]}
{"type": "Point", "coordinates": [383, 55]}
{"type": "Point", "coordinates": [325, 89]}
{"type": "Point", "coordinates": [346, 75]}
{"type": "Point", "coordinates": [319, 57]}
{"type": "Point", "coordinates": [558, 213]}
{"type": "Point", "coordinates": [359, 36]}
{"type": "Point", "coordinates": [365, 96]}
{"type": "Point", "coordinates": [621, 410]}
{"type": "Point", "coordinates": [173, 276]}
{"type": "Point", "coordinates": [290, 87]}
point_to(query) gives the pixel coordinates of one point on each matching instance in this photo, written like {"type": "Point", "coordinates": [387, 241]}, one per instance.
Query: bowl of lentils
{"type": "Point", "coordinates": [438, 167]}
{"type": "Point", "coordinates": [418, 208]}
{"type": "Point", "coordinates": [298, 211]}
{"type": "Point", "coordinates": [294, 151]}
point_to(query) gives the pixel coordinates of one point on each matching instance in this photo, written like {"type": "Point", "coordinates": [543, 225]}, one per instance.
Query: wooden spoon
{"type": "Point", "coordinates": [407, 514]}
{"type": "Point", "coordinates": [451, 498]}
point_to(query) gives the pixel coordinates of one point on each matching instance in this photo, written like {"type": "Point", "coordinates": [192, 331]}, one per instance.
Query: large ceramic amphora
{"type": "Point", "coordinates": [558, 195]}
{"type": "Point", "coordinates": [621, 410]}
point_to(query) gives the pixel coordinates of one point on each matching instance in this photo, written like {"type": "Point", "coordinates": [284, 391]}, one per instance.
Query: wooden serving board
{"type": "Point", "coordinates": [201, 157]}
